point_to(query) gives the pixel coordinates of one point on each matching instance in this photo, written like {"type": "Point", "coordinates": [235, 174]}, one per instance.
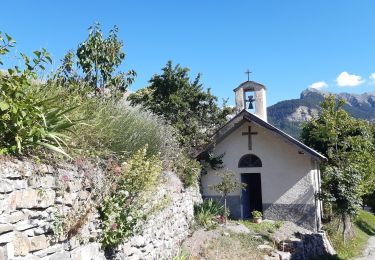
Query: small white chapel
{"type": "Point", "coordinates": [281, 174]}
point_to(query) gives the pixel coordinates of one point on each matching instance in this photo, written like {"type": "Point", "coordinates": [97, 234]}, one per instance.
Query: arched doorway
{"type": "Point", "coordinates": [252, 194]}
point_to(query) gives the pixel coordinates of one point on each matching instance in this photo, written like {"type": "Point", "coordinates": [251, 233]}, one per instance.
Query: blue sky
{"type": "Point", "coordinates": [288, 45]}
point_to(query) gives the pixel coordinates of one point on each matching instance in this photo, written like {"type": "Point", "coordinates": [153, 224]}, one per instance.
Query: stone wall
{"type": "Point", "coordinates": [162, 235]}
{"type": "Point", "coordinates": [302, 243]}
{"type": "Point", "coordinates": [33, 194]}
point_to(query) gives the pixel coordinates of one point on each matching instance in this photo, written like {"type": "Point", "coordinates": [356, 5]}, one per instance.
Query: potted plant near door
{"type": "Point", "coordinates": [257, 216]}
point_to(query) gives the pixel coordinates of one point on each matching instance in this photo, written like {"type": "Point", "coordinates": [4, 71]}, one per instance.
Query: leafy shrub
{"type": "Point", "coordinates": [205, 219]}
{"type": "Point", "coordinates": [256, 214]}
{"type": "Point", "coordinates": [208, 213]}
{"type": "Point", "coordinates": [188, 170]}
{"type": "Point", "coordinates": [369, 200]}
{"type": "Point", "coordinates": [122, 210]}
{"type": "Point", "coordinates": [265, 228]}
{"type": "Point", "coordinates": [28, 122]}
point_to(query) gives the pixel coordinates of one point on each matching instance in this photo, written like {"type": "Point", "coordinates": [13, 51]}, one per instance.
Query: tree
{"type": "Point", "coordinates": [227, 185]}
{"type": "Point", "coordinates": [348, 145]}
{"type": "Point", "coordinates": [191, 110]}
{"type": "Point", "coordinates": [99, 58]}
{"type": "Point", "coordinates": [67, 74]}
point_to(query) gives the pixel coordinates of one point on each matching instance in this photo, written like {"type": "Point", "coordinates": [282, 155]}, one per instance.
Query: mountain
{"type": "Point", "coordinates": [288, 115]}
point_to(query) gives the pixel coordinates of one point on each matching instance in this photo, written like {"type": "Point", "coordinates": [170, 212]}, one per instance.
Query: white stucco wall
{"type": "Point", "coordinates": [287, 177]}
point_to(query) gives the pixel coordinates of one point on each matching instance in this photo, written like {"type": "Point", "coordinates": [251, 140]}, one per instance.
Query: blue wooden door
{"type": "Point", "coordinates": [252, 194]}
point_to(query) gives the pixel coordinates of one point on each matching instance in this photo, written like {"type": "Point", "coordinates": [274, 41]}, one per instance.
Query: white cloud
{"type": "Point", "coordinates": [319, 85]}
{"type": "Point", "coordinates": [372, 78]}
{"type": "Point", "coordinates": [349, 80]}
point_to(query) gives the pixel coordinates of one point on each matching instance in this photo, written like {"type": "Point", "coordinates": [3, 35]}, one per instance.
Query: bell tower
{"type": "Point", "coordinates": [251, 96]}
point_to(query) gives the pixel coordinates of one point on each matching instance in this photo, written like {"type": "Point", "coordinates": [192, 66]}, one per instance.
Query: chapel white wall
{"type": "Point", "coordinates": [287, 177]}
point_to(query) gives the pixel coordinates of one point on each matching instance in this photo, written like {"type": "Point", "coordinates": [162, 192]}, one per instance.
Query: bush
{"type": "Point", "coordinates": [188, 170]}
{"type": "Point", "coordinates": [264, 228]}
{"type": "Point", "coordinates": [208, 213]}
{"type": "Point", "coordinates": [122, 210]}
{"type": "Point", "coordinates": [369, 200]}
{"type": "Point", "coordinates": [27, 121]}
{"type": "Point", "coordinates": [256, 214]}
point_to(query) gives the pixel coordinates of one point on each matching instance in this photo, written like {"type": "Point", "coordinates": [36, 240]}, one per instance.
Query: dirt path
{"type": "Point", "coordinates": [369, 252]}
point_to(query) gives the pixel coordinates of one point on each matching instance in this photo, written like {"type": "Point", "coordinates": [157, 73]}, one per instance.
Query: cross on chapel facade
{"type": "Point", "coordinates": [249, 140]}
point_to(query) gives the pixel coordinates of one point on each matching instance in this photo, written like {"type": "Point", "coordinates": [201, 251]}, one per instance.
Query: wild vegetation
{"type": "Point", "coordinates": [209, 214]}
{"type": "Point", "coordinates": [364, 227]}
{"type": "Point", "coordinates": [193, 112]}
{"type": "Point", "coordinates": [29, 122]}
{"type": "Point", "coordinates": [94, 64]}
{"type": "Point", "coordinates": [80, 112]}
{"type": "Point", "coordinates": [349, 174]}
{"type": "Point", "coordinates": [123, 208]}
{"type": "Point", "coordinates": [265, 228]}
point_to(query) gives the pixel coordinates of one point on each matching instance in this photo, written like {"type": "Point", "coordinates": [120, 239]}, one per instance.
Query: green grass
{"type": "Point", "coordinates": [265, 228]}
{"type": "Point", "coordinates": [364, 227]}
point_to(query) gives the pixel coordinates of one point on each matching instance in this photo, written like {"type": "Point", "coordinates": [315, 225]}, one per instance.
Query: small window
{"type": "Point", "coordinates": [249, 160]}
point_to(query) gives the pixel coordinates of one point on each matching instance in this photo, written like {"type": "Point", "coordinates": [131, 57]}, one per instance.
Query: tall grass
{"type": "Point", "coordinates": [207, 213]}
{"type": "Point", "coordinates": [110, 127]}
{"type": "Point", "coordinates": [116, 128]}
{"type": "Point", "coordinates": [364, 227]}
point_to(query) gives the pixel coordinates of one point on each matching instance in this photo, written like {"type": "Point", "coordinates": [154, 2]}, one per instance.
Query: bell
{"type": "Point", "coordinates": [250, 100]}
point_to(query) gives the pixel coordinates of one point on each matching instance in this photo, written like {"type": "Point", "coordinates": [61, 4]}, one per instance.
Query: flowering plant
{"type": "Point", "coordinates": [122, 209]}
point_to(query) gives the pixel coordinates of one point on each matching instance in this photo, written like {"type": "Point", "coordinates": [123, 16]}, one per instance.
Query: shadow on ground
{"type": "Point", "coordinates": [365, 227]}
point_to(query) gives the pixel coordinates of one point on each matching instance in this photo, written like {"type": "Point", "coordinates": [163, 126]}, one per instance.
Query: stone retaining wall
{"type": "Point", "coordinates": [31, 195]}
{"type": "Point", "coordinates": [302, 243]}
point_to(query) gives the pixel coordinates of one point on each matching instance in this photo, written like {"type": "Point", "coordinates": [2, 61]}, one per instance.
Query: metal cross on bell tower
{"type": "Point", "coordinates": [248, 72]}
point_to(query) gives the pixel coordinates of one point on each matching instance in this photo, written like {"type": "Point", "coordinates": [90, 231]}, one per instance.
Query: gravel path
{"type": "Point", "coordinates": [369, 253]}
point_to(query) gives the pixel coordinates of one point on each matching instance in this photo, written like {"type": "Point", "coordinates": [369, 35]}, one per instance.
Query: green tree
{"type": "Point", "coordinates": [5, 44]}
{"type": "Point", "coordinates": [348, 145]}
{"type": "Point", "coordinates": [191, 110]}
{"type": "Point", "coordinates": [227, 185]}
{"type": "Point", "coordinates": [67, 74]}
{"type": "Point", "coordinates": [99, 58]}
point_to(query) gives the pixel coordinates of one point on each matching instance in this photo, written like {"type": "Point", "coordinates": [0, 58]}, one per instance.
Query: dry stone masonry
{"type": "Point", "coordinates": [32, 195]}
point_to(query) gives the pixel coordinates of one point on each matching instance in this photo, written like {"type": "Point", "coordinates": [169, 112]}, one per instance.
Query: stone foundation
{"type": "Point", "coordinates": [303, 215]}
